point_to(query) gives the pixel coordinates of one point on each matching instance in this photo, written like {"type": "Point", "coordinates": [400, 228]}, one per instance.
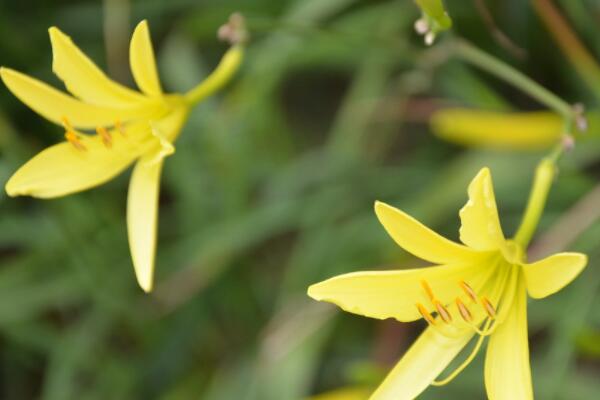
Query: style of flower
{"type": "Point", "coordinates": [130, 127]}
{"type": "Point", "coordinates": [477, 289]}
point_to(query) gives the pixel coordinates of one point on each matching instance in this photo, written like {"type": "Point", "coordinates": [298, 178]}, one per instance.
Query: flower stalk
{"type": "Point", "coordinates": [544, 176]}
{"type": "Point", "coordinates": [481, 59]}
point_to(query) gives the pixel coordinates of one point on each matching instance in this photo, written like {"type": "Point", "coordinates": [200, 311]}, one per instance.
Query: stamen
{"type": "Point", "coordinates": [105, 135]}
{"type": "Point", "coordinates": [427, 289]}
{"type": "Point", "coordinates": [468, 290]}
{"type": "Point", "coordinates": [119, 127]}
{"type": "Point", "coordinates": [489, 308]}
{"type": "Point", "coordinates": [73, 138]}
{"type": "Point", "coordinates": [464, 311]}
{"type": "Point", "coordinates": [463, 365]}
{"type": "Point", "coordinates": [442, 312]}
{"type": "Point", "coordinates": [425, 314]}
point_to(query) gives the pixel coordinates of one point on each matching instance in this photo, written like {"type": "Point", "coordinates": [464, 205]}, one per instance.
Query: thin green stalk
{"type": "Point", "coordinates": [479, 58]}
{"type": "Point", "coordinates": [544, 176]}
{"type": "Point", "coordinates": [219, 77]}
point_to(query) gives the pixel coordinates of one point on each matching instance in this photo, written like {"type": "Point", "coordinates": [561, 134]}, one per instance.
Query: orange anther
{"type": "Point", "coordinates": [468, 290]}
{"type": "Point", "coordinates": [489, 307]}
{"type": "Point", "coordinates": [464, 311]}
{"type": "Point", "coordinates": [66, 124]}
{"type": "Point", "coordinates": [105, 135]}
{"type": "Point", "coordinates": [443, 312]}
{"type": "Point", "coordinates": [73, 138]}
{"type": "Point", "coordinates": [425, 314]}
{"type": "Point", "coordinates": [119, 127]}
{"type": "Point", "coordinates": [427, 289]}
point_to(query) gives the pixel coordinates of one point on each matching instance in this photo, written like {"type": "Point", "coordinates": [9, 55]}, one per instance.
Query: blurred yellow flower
{"type": "Point", "coordinates": [477, 289]}
{"type": "Point", "coordinates": [498, 130]}
{"type": "Point", "coordinates": [348, 393]}
{"type": "Point", "coordinates": [130, 127]}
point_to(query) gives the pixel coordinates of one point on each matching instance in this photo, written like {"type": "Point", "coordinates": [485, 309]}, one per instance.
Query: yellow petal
{"type": "Point", "coordinates": [421, 364]}
{"type": "Point", "coordinates": [419, 240]}
{"type": "Point", "coordinates": [62, 169]}
{"type": "Point", "coordinates": [551, 274]}
{"type": "Point", "coordinates": [507, 371]}
{"type": "Point", "coordinates": [84, 79]}
{"type": "Point", "coordinates": [55, 105]}
{"type": "Point", "coordinates": [394, 294]}
{"type": "Point", "coordinates": [499, 130]}
{"type": "Point", "coordinates": [143, 63]}
{"type": "Point", "coordinates": [142, 218]}
{"type": "Point", "coordinates": [480, 227]}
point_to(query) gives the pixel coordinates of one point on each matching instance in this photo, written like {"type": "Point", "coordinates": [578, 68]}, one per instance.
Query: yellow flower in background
{"type": "Point", "coordinates": [477, 289]}
{"type": "Point", "coordinates": [498, 130]}
{"type": "Point", "coordinates": [348, 393]}
{"type": "Point", "coordinates": [126, 127]}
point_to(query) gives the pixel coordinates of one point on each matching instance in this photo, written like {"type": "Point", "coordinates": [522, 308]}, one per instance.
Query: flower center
{"type": "Point", "coordinates": [75, 137]}
{"type": "Point", "coordinates": [477, 313]}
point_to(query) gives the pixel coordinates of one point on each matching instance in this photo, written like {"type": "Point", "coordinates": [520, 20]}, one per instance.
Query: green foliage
{"type": "Point", "coordinates": [271, 189]}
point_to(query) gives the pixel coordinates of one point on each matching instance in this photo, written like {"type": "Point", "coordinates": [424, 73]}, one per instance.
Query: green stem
{"type": "Point", "coordinates": [479, 58]}
{"type": "Point", "coordinates": [228, 66]}
{"type": "Point", "coordinates": [544, 175]}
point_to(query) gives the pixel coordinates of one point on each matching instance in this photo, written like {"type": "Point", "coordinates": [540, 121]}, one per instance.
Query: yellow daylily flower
{"type": "Point", "coordinates": [130, 127]}
{"type": "Point", "coordinates": [498, 130]}
{"type": "Point", "coordinates": [477, 289]}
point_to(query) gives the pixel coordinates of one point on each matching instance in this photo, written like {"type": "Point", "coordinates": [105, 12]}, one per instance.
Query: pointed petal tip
{"type": "Point", "coordinates": [312, 292]}
{"type": "Point", "coordinates": [146, 286]}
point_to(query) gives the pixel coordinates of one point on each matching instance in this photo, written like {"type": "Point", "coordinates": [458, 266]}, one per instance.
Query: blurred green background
{"type": "Point", "coordinates": [271, 189]}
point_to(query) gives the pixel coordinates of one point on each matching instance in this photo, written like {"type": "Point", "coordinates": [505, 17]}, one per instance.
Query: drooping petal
{"type": "Point", "coordinates": [395, 294]}
{"type": "Point", "coordinates": [418, 239]}
{"type": "Point", "coordinates": [421, 364]}
{"type": "Point", "coordinates": [143, 63]}
{"type": "Point", "coordinates": [507, 370]}
{"type": "Point", "coordinates": [55, 105]}
{"type": "Point", "coordinates": [480, 226]}
{"type": "Point", "coordinates": [551, 274]}
{"type": "Point", "coordinates": [84, 79]}
{"type": "Point", "coordinates": [63, 169]}
{"type": "Point", "coordinates": [142, 218]}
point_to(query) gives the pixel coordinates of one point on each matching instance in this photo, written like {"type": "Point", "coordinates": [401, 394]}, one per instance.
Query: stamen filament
{"type": "Point", "coordinates": [463, 365]}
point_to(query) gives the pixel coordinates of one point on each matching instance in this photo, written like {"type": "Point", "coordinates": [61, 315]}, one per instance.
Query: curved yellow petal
{"type": "Point", "coordinates": [143, 63]}
{"type": "Point", "coordinates": [55, 105]}
{"type": "Point", "coordinates": [84, 79]}
{"type": "Point", "coordinates": [395, 294]}
{"type": "Point", "coordinates": [480, 227]}
{"type": "Point", "coordinates": [63, 169]}
{"type": "Point", "coordinates": [142, 218]}
{"type": "Point", "coordinates": [507, 370]}
{"type": "Point", "coordinates": [497, 130]}
{"type": "Point", "coordinates": [418, 239]}
{"type": "Point", "coordinates": [421, 364]}
{"type": "Point", "coordinates": [551, 274]}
